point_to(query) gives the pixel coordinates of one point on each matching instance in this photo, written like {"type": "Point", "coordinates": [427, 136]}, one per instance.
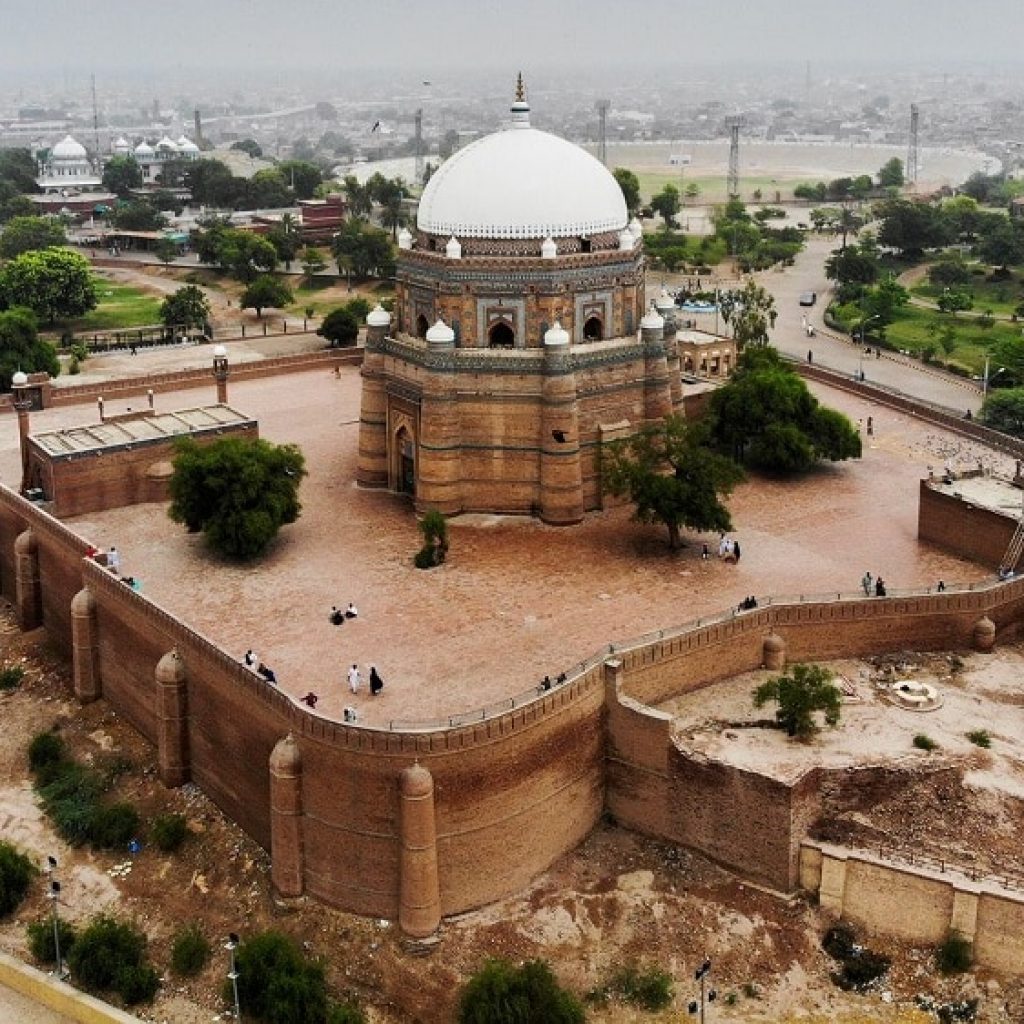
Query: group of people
{"type": "Point", "coordinates": [871, 585]}
{"type": "Point", "coordinates": [727, 548]}
{"type": "Point", "coordinates": [355, 680]}
{"type": "Point", "coordinates": [747, 603]}
{"type": "Point", "coordinates": [253, 663]}
{"type": "Point", "coordinates": [337, 617]}
{"type": "Point", "coordinates": [546, 683]}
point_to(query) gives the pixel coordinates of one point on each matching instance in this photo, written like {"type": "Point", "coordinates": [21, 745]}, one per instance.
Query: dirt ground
{"type": "Point", "coordinates": [619, 898]}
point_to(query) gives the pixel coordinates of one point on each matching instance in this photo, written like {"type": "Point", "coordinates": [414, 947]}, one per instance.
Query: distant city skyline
{"type": "Point", "coordinates": [115, 38]}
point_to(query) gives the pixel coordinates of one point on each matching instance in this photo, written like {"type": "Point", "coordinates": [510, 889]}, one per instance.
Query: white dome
{"type": "Point", "coordinates": [636, 228]}
{"type": "Point", "coordinates": [168, 144]}
{"type": "Point", "coordinates": [652, 321]}
{"type": "Point", "coordinates": [405, 239]}
{"type": "Point", "coordinates": [548, 249]}
{"type": "Point", "coordinates": [68, 149]}
{"type": "Point", "coordinates": [453, 250]}
{"type": "Point", "coordinates": [440, 334]}
{"type": "Point", "coordinates": [626, 240]}
{"type": "Point", "coordinates": [186, 145]}
{"type": "Point", "coordinates": [556, 336]}
{"type": "Point", "coordinates": [20, 379]}
{"type": "Point", "coordinates": [143, 149]}
{"type": "Point", "coordinates": [664, 301]}
{"type": "Point", "coordinates": [121, 145]}
{"type": "Point", "coordinates": [521, 183]}
{"type": "Point", "coordinates": [378, 317]}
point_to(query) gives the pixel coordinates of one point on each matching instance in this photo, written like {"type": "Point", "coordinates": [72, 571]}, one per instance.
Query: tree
{"type": "Point", "coordinates": [500, 993]}
{"type": "Point", "coordinates": [766, 416]}
{"type": "Point", "coordinates": [847, 223]}
{"type": "Point", "coordinates": [890, 174]}
{"type": "Point", "coordinates": [364, 249]}
{"type": "Point", "coordinates": [852, 265]}
{"type": "Point", "coordinates": [13, 203]}
{"type": "Point", "coordinates": [666, 204]}
{"type": "Point", "coordinates": [240, 253]}
{"type": "Point", "coordinates": [238, 491]}
{"type": "Point", "coordinates": [21, 347]}
{"type": "Point", "coordinates": [313, 262]}
{"type": "Point", "coordinates": [267, 188]}
{"type": "Point", "coordinates": [249, 146]}
{"type": "Point", "coordinates": [912, 227]}
{"type": "Point", "coordinates": [303, 177]}
{"type": "Point", "coordinates": [1002, 243]}
{"type": "Point", "coordinates": [949, 272]}
{"type": "Point", "coordinates": [807, 689]}
{"type": "Point", "coordinates": [121, 174]}
{"type": "Point", "coordinates": [751, 312]}
{"type": "Point", "coordinates": [18, 168]}
{"type": "Point", "coordinates": [673, 477]}
{"type": "Point", "coordinates": [340, 328]}
{"type": "Point", "coordinates": [54, 283]}
{"type": "Point", "coordinates": [138, 216]}
{"type": "Point", "coordinates": [187, 307]}
{"type": "Point", "coordinates": [955, 300]}
{"type": "Point", "coordinates": [285, 239]}
{"type": "Point", "coordinates": [884, 299]}
{"type": "Point", "coordinates": [23, 234]}
{"type": "Point", "coordinates": [210, 182]}
{"type": "Point", "coordinates": [360, 201]}
{"type": "Point", "coordinates": [265, 291]}
{"type": "Point", "coordinates": [166, 251]}
{"type": "Point", "coordinates": [692, 191]}
{"type": "Point", "coordinates": [1004, 410]}
{"type": "Point", "coordinates": [630, 185]}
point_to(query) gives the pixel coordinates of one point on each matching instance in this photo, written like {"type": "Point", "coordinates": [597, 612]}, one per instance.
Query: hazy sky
{"type": "Point", "coordinates": [449, 35]}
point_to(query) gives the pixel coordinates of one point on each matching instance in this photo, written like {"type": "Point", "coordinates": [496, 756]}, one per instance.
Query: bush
{"type": "Point", "coordinates": [113, 826]}
{"type": "Point", "coordinates": [859, 966]}
{"type": "Point", "coordinates": [168, 832]}
{"type": "Point", "coordinates": [980, 738]}
{"type": "Point", "coordinates": [111, 954]}
{"type": "Point", "coordinates": [40, 939]}
{"type": "Point", "coordinates": [925, 742]}
{"type": "Point", "coordinates": [70, 793]}
{"type": "Point", "coordinates": [953, 955]}
{"type": "Point", "coordinates": [11, 677]}
{"type": "Point", "coordinates": [190, 952]}
{"type": "Point", "coordinates": [424, 558]}
{"type": "Point", "coordinates": [500, 993]}
{"type": "Point", "coordinates": [46, 748]}
{"type": "Point", "coordinates": [839, 941]}
{"type": "Point", "coordinates": [650, 989]}
{"type": "Point", "coordinates": [345, 1013]}
{"type": "Point", "coordinates": [276, 982]}
{"type": "Point", "coordinates": [74, 366]}
{"type": "Point", "coordinates": [16, 874]}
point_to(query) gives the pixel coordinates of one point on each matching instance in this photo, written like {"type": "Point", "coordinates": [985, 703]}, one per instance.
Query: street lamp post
{"type": "Point", "coordinates": [986, 379]}
{"type": "Point", "coordinates": [706, 995]}
{"type": "Point", "coordinates": [231, 945]}
{"type": "Point", "coordinates": [54, 897]}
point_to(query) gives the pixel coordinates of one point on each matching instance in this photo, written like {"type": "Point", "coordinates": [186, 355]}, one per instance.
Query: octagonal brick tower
{"type": "Point", "coordinates": [515, 346]}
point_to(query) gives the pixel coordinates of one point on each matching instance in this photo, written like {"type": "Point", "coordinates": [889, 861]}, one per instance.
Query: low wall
{"type": "Point", "coordinates": [965, 529]}
{"type": "Point", "coordinates": [917, 904]}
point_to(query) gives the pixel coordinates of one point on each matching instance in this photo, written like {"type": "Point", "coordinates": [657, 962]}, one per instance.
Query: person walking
{"type": "Point", "coordinates": [353, 679]}
{"type": "Point", "coordinates": [879, 587]}
{"type": "Point", "coordinates": [736, 549]}
{"type": "Point", "coordinates": [113, 561]}
{"type": "Point", "coordinates": [376, 683]}
{"type": "Point", "coordinates": [867, 582]}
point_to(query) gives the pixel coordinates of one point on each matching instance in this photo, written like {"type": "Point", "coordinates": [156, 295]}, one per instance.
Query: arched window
{"type": "Point", "coordinates": [593, 329]}
{"type": "Point", "coordinates": [502, 336]}
{"type": "Point", "coordinates": [421, 326]}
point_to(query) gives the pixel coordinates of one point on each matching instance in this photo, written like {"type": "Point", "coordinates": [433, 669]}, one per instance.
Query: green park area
{"type": "Point", "coordinates": [119, 306]}
{"type": "Point", "coordinates": [712, 188]}
{"type": "Point", "coordinates": [1000, 297]}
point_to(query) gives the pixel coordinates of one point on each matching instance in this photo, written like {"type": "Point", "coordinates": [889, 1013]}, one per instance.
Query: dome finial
{"type": "Point", "coordinates": [520, 108]}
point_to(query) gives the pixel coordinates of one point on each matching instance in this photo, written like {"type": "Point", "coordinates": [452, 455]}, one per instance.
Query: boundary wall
{"type": "Point", "coordinates": [917, 904]}
{"type": "Point", "coordinates": [423, 820]}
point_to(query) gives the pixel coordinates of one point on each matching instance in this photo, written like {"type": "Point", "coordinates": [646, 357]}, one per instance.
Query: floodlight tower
{"type": "Point", "coordinates": [911, 175]}
{"type": "Point", "coordinates": [732, 186]}
{"type": "Point", "coordinates": [419, 147]}
{"type": "Point", "coordinates": [602, 130]}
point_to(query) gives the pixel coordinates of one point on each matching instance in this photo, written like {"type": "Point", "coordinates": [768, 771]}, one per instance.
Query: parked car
{"type": "Point", "coordinates": [808, 298]}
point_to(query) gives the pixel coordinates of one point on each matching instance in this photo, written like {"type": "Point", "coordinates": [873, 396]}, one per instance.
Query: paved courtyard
{"type": "Point", "coordinates": [516, 599]}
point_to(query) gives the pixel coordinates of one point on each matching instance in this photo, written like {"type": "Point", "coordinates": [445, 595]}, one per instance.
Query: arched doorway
{"type": "Point", "coordinates": [421, 326]}
{"type": "Point", "coordinates": [593, 329]}
{"type": "Point", "coordinates": [502, 336]}
{"type": "Point", "coordinates": [405, 449]}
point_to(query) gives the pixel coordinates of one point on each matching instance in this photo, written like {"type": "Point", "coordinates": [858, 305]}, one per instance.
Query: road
{"type": "Point", "coordinates": [15, 1007]}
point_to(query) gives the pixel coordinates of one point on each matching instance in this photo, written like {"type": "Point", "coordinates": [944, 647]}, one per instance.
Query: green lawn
{"type": "Point", "coordinates": [713, 189]}
{"type": "Point", "coordinates": [998, 296]}
{"type": "Point", "coordinates": [120, 306]}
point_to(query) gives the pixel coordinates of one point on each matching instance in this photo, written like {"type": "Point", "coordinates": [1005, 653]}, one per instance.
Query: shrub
{"type": "Point", "coordinates": [16, 873]}
{"type": "Point", "coordinates": [70, 797]}
{"type": "Point", "coordinates": [276, 982]}
{"type": "Point", "coordinates": [980, 738]}
{"type": "Point", "coordinates": [953, 955]}
{"type": "Point", "coordinates": [859, 966]}
{"type": "Point", "coordinates": [650, 989]}
{"type": "Point", "coordinates": [424, 559]}
{"type": "Point", "coordinates": [168, 832]}
{"type": "Point", "coordinates": [40, 939]}
{"type": "Point", "coordinates": [11, 677]}
{"type": "Point", "coordinates": [839, 941]}
{"type": "Point", "coordinates": [111, 954]}
{"type": "Point", "coordinates": [46, 748]}
{"type": "Point", "coordinates": [345, 1013]}
{"type": "Point", "coordinates": [74, 366]}
{"type": "Point", "coordinates": [925, 742]}
{"type": "Point", "coordinates": [190, 952]}
{"type": "Point", "coordinates": [500, 993]}
{"type": "Point", "coordinates": [113, 826]}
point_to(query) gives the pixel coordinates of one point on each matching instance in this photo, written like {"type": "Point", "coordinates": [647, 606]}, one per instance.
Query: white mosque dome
{"type": "Point", "coordinates": [405, 239]}
{"type": "Point", "coordinates": [440, 334]}
{"type": "Point", "coordinates": [167, 144]}
{"type": "Point", "coordinates": [143, 149]}
{"type": "Point", "coordinates": [186, 145]}
{"type": "Point", "coordinates": [68, 149]}
{"type": "Point", "coordinates": [521, 183]}
{"type": "Point", "coordinates": [652, 320]}
{"type": "Point", "coordinates": [556, 336]}
{"type": "Point", "coordinates": [378, 317]}
{"type": "Point", "coordinates": [121, 145]}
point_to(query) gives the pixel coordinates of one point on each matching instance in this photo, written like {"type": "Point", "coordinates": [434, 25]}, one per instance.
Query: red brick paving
{"type": "Point", "coordinates": [516, 599]}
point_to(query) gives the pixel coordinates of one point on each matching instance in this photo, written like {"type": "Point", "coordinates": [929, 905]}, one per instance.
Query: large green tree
{"type": "Point", "coordinates": [501, 993]}
{"type": "Point", "coordinates": [21, 347]}
{"type": "Point", "coordinates": [751, 313]}
{"type": "Point", "coordinates": [630, 185]}
{"type": "Point", "coordinates": [366, 250]}
{"type": "Point", "coordinates": [340, 327]}
{"type": "Point", "coordinates": [187, 307]}
{"type": "Point", "coordinates": [912, 227]}
{"type": "Point", "coordinates": [673, 477]}
{"type": "Point", "coordinates": [805, 690]}
{"type": "Point", "coordinates": [265, 291]}
{"type": "Point", "coordinates": [18, 167]}
{"type": "Point", "coordinates": [667, 204]}
{"type": "Point", "coordinates": [13, 203]}
{"type": "Point", "coordinates": [23, 234]}
{"type": "Point", "coordinates": [766, 416]}
{"type": "Point", "coordinates": [890, 174]}
{"type": "Point", "coordinates": [138, 215]}
{"type": "Point", "coordinates": [1004, 410]}
{"type": "Point", "coordinates": [302, 176]}
{"type": "Point", "coordinates": [853, 265]}
{"type": "Point", "coordinates": [54, 283]}
{"type": "Point", "coordinates": [121, 174]}
{"type": "Point", "coordinates": [239, 492]}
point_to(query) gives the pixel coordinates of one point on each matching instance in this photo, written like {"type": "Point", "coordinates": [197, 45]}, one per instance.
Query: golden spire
{"type": "Point", "coordinates": [520, 90]}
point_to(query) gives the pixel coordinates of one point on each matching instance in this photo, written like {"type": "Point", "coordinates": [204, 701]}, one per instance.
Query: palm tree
{"type": "Point", "coordinates": [848, 223]}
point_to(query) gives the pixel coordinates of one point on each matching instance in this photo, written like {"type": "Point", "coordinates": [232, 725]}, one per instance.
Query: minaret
{"type": "Point", "coordinates": [561, 479]}
{"type": "Point", "coordinates": [372, 465]}
{"type": "Point", "coordinates": [22, 406]}
{"type": "Point", "coordinates": [520, 108]}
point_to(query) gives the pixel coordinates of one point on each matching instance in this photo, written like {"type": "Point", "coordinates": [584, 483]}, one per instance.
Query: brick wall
{"type": "Point", "coordinates": [948, 522]}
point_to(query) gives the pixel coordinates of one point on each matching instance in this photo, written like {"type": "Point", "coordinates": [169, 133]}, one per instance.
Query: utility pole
{"type": "Point", "coordinates": [419, 147]}
{"type": "Point", "coordinates": [732, 186]}
{"type": "Point", "coordinates": [95, 123]}
{"type": "Point", "coordinates": [602, 130]}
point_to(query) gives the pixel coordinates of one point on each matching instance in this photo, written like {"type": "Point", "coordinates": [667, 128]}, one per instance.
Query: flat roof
{"type": "Point", "coordinates": [121, 433]}
{"type": "Point", "coordinates": [986, 491]}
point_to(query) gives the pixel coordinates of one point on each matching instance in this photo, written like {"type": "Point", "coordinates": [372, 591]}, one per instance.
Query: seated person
{"type": "Point", "coordinates": [351, 611]}
{"type": "Point", "coordinates": [267, 673]}
{"type": "Point", "coordinates": [350, 714]}
{"type": "Point", "coordinates": [337, 617]}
